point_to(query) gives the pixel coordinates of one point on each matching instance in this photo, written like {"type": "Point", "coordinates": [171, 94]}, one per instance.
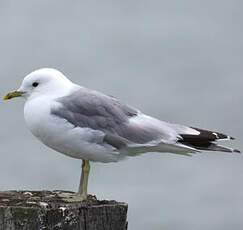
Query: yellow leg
{"type": "Point", "coordinates": [82, 193]}
{"type": "Point", "coordinates": [83, 187]}
{"type": "Point", "coordinates": [80, 189]}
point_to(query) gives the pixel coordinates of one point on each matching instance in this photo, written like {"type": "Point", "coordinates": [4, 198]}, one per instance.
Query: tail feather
{"type": "Point", "coordinates": [176, 148]}
{"type": "Point", "coordinates": [215, 147]}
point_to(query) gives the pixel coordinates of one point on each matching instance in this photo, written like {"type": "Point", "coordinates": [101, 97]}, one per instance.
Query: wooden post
{"type": "Point", "coordinates": [33, 210]}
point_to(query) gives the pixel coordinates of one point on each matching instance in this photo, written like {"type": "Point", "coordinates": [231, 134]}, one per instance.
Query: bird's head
{"type": "Point", "coordinates": [44, 81]}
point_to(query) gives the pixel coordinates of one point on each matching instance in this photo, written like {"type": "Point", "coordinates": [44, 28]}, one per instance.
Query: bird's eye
{"type": "Point", "coordinates": [35, 84]}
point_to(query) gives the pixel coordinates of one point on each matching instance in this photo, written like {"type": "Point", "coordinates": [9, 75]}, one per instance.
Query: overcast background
{"type": "Point", "coordinates": [180, 61]}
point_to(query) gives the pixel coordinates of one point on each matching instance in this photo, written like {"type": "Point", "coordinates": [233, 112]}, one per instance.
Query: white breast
{"type": "Point", "coordinates": [62, 136]}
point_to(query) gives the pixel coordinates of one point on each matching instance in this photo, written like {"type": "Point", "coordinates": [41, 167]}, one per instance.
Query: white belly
{"type": "Point", "coordinates": [62, 136]}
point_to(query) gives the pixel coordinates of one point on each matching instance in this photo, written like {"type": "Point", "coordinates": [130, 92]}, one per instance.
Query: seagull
{"type": "Point", "coordinates": [89, 125]}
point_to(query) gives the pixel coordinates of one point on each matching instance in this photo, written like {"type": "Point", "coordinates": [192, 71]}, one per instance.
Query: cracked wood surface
{"type": "Point", "coordinates": [30, 210]}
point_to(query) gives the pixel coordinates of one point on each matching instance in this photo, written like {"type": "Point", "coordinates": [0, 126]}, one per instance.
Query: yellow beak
{"type": "Point", "coordinates": [12, 95]}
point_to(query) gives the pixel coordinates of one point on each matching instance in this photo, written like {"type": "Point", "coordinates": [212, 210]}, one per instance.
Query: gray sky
{"type": "Point", "coordinates": [179, 61]}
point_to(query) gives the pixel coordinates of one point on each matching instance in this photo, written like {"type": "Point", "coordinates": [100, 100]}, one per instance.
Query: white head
{"type": "Point", "coordinates": [44, 81]}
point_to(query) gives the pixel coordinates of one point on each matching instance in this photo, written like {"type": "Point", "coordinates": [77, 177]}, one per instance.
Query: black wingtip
{"type": "Point", "coordinates": [231, 138]}
{"type": "Point", "coordinates": [236, 151]}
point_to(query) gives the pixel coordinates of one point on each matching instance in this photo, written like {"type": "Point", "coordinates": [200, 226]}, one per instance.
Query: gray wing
{"type": "Point", "coordinates": [97, 111]}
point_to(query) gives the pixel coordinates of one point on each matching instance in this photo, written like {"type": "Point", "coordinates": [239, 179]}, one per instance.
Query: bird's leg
{"type": "Point", "coordinates": [83, 187]}
{"type": "Point", "coordinates": [86, 178]}
{"type": "Point", "coordinates": [82, 193]}
{"type": "Point", "coordinates": [80, 189]}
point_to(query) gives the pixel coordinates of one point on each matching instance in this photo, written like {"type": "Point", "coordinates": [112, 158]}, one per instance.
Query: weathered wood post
{"type": "Point", "coordinates": [33, 210]}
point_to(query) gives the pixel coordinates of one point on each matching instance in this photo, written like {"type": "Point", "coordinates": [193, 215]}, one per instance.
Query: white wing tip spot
{"type": "Point", "coordinates": [216, 135]}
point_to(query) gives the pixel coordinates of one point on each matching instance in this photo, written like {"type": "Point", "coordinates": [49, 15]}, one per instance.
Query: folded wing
{"type": "Point", "coordinates": [128, 130]}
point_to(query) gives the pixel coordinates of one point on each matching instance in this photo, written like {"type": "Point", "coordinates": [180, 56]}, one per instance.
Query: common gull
{"type": "Point", "coordinates": [89, 125]}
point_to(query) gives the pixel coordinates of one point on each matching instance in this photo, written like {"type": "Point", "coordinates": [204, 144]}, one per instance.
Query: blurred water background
{"type": "Point", "coordinates": [180, 61]}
